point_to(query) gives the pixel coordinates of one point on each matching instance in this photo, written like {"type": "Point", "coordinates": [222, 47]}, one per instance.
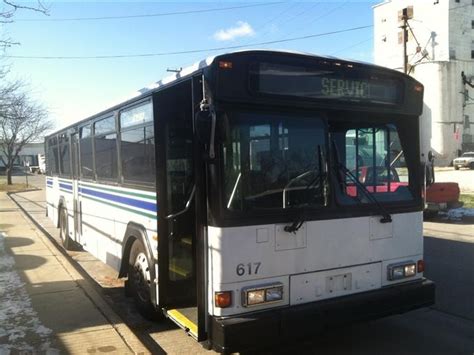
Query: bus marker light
{"type": "Point", "coordinates": [421, 265]}
{"type": "Point", "coordinates": [418, 88]}
{"type": "Point", "coordinates": [223, 299]}
{"type": "Point", "coordinates": [225, 65]}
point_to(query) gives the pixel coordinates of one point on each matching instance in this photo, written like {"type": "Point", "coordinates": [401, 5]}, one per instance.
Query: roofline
{"type": "Point", "coordinates": [385, 2]}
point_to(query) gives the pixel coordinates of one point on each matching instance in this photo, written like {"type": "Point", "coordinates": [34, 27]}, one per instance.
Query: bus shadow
{"type": "Point", "coordinates": [40, 292]}
{"type": "Point", "coordinates": [450, 264]}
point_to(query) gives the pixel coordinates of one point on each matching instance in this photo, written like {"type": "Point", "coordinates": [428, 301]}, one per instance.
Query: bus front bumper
{"type": "Point", "coordinates": [296, 322]}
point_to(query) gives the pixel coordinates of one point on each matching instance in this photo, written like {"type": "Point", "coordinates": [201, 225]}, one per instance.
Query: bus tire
{"type": "Point", "coordinates": [64, 229]}
{"type": "Point", "coordinates": [139, 281]}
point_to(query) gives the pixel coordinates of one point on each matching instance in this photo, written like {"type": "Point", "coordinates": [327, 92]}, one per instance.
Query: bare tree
{"type": "Point", "coordinates": [7, 12]}
{"type": "Point", "coordinates": [22, 121]}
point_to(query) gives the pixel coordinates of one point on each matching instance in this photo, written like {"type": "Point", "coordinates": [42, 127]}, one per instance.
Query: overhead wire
{"type": "Point", "coordinates": [327, 13]}
{"type": "Point", "coordinates": [273, 19]}
{"type": "Point", "coordinates": [192, 50]}
{"type": "Point", "coordinates": [352, 46]}
{"type": "Point", "coordinates": [162, 14]}
{"type": "Point", "coordinates": [277, 20]}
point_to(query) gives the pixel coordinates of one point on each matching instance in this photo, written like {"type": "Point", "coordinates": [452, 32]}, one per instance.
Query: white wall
{"type": "Point", "coordinates": [444, 31]}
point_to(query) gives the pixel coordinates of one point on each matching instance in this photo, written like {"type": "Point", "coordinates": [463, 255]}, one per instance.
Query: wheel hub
{"type": "Point", "coordinates": [142, 276]}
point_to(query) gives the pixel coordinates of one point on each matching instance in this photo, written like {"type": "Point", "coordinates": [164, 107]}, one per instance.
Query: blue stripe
{"type": "Point", "coordinates": [65, 186]}
{"type": "Point", "coordinates": [149, 206]}
{"type": "Point", "coordinates": [49, 183]}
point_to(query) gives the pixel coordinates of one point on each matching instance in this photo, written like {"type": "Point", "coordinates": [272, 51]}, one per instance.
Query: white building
{"type": "Point", "coordinates": [440, 47]}
{"type": "Point", "coordinates": [32, 155]}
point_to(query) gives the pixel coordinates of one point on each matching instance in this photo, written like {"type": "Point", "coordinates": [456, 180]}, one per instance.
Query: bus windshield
{"type": "Point", "coordinates": [374, 158]}
{"type": "Point", "coordinates": [273, 161]}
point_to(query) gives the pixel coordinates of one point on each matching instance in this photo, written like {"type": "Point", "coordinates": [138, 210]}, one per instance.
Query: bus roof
{"type": "Point", "coordinates": [196, 67]}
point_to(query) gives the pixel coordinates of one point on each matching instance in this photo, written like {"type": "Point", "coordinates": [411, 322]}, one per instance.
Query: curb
{"type": "Point", "coordinates": [86, 283]}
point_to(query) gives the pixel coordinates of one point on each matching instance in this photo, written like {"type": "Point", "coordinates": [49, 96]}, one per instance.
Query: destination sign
{"type": "Point", "coordinates": [338, 83]}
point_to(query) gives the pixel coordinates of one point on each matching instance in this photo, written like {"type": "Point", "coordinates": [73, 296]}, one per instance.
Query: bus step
{"type": "Point", "coordinates": [185, 318]}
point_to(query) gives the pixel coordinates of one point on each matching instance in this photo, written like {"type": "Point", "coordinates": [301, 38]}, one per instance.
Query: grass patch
{"type": "Point", "coordinates": [468, 200]}
{"type": "Point", "coordinates": [10, 188]}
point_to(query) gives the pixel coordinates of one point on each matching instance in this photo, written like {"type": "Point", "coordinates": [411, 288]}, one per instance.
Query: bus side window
{"type": "Point", "coordinates": [64, 158]}
{"type": "Point", "coordinates": [105, 149]}
{"type": "Point", "coordinates": [87, 167]}
{"type": "Point", "coordinates": [137, 151]}
{"type": "Point", "coordinates": [53, 157]}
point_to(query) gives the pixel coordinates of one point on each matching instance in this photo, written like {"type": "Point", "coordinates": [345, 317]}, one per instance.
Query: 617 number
{"type": "Point", "coordinates": [249, 269]}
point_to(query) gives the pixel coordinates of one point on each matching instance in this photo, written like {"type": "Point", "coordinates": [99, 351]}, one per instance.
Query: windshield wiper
{"type": "Point", "coordinates": [386, 217]}
{"type": "Point", "coordinates": [321, 178]}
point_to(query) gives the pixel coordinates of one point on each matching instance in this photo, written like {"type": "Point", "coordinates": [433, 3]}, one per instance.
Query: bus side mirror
{"type": "Point", "coordinates": [203, 122]}
{"type": "Point", "coordinates": [429, 171]}
{"type": "Point", "coordinates": [430, 156]}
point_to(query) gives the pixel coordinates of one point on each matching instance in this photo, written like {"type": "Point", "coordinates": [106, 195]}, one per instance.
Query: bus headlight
{"type": "Point", "coordinates": [401, 270]}
{"type": "Point", "coordinates": [262, 295]}
{"type": "Point", "coordinates": [274, 294]}
{"type": "Point", "coordinates": [255, 297]}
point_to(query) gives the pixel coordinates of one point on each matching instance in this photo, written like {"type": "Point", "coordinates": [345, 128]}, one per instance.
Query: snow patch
{"type": "Point", "coordinates": [19, 322]}
{"type": "Point", "coordinates": [457, 214]}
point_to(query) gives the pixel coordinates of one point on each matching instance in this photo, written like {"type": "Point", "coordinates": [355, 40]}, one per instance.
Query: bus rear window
{"type": "Point", "coordinates": [329, 82]}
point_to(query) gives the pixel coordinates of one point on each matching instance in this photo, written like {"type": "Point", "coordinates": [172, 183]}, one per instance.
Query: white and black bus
{"type": "Point", "coordinates": [256, 196]}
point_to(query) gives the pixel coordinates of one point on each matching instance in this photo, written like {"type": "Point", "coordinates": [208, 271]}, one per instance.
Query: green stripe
{"type": "Point", "coordinates": [64, 190]}
{"type": "Point", "coordinates": [108, 189]}
{"type": "Point", "coordinates": [149, 215]}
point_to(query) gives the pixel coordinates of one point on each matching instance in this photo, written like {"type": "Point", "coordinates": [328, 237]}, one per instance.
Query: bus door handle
{"type": "Point", "coordinates": [184, 210]}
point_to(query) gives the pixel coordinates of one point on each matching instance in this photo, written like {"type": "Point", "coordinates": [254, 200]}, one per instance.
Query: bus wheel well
{"type": "Point", "coordinates": [133, 232]}
{"type": "Point", "coordinates": [127, 246]}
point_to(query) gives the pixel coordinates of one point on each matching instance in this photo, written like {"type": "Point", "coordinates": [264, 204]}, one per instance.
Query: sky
{"type": "Point", "coordinates": [73, 89]}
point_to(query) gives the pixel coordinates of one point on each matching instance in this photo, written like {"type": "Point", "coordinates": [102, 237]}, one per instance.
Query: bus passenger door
{"type": "Point", "coordinates": [176, 215]}
{"type": "Point", "coordinates": [75, 185]}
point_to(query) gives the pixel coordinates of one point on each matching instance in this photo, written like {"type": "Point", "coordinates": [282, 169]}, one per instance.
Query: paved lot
{"type": "Point", "coordinates": [448, 328]}
{"type": "Point", "coordinates": [464, 177]}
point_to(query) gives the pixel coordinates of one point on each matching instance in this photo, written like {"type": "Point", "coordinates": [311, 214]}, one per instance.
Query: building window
{"type": "Point", "coordinates": [458, 0]}
{"type": "Point", "coordinates": [472, 23]}
{"type": "Point", "coordinates": [472, 54]}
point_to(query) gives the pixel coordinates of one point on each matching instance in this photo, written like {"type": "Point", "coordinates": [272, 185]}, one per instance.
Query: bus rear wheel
{"type": "Point", "coordinates": [64, 229]}
{"type": "Point", "coordinates": [139, 281]}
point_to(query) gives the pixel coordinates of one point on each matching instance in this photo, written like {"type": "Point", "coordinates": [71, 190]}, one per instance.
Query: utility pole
{"type": "Point", "coordinates": [404, 16]}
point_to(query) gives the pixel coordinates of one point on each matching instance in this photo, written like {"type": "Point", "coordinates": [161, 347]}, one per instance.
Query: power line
{"type": "Point", "coordinates": [192, 50]}
{"type": "Point", "coordinates": [352, 45]}
{"type": "Point", "coordinates": [162, 14]}
{"type": "Point", "coordinates": [327, 13]}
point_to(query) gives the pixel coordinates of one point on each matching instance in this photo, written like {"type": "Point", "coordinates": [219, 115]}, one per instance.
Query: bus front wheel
{"type": "Point", "coordinates": [64, 229]}
{"type": "Point", "coordinates": [139, 281]}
